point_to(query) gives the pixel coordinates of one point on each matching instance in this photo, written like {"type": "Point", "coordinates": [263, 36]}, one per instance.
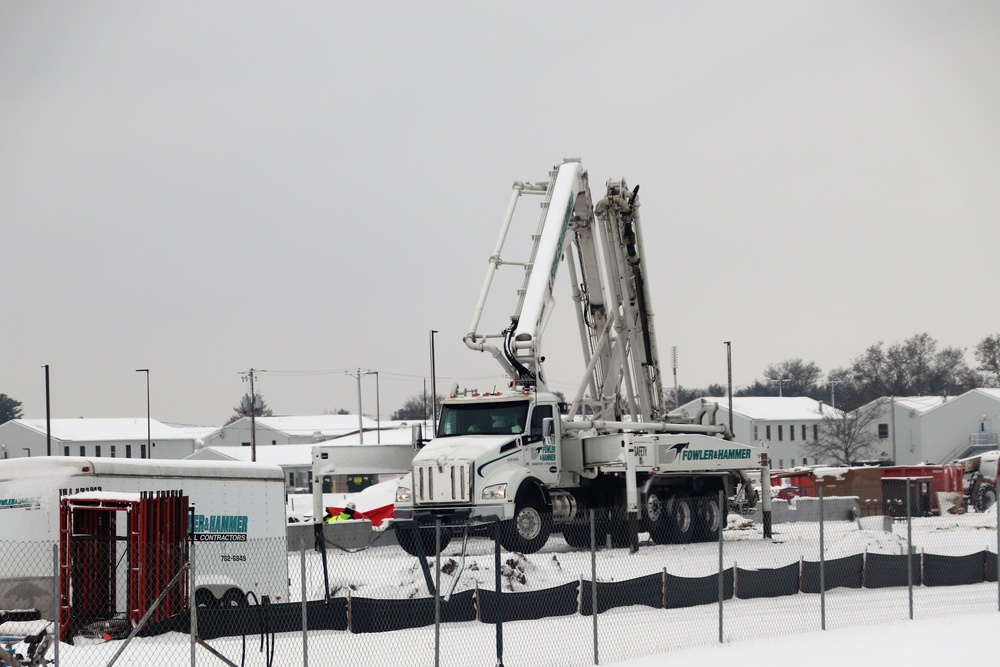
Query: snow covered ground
{"type": "Point", "coordinates": [872, 623]}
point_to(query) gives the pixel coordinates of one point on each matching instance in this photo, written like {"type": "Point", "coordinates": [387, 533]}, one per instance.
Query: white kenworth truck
{"type": "Point", "coordinates": [538, 464]}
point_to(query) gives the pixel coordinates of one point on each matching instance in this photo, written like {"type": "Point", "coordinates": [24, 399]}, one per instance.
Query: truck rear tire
{"type": "Point", "coordinates": [577, 534]}
{"type": "Point", "coordinates": [709, 518]}
{"type": "Point", "coordinates": [529, 530]}
{"type": "Point", "coordinates": [408, 536]}
{"type": "Point", "coordinates": [680, 513]}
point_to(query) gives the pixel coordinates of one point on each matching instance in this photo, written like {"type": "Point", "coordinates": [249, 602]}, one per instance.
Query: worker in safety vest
{"type": "Point", "coordinates": [346, 515]}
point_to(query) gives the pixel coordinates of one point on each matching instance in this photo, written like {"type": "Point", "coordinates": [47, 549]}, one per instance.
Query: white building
{"type": "Point", "coordinates": [936, 429]}
{"type": "Point", "coordinates": [786, 423]}
{"type": "Point", "coordinates": [114, 438]}
{"type": "Point", "coordinates": [293, 430]}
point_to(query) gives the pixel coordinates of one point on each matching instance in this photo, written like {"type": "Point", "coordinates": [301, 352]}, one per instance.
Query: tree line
{"type": "Point", "coordinates": [917, 366]}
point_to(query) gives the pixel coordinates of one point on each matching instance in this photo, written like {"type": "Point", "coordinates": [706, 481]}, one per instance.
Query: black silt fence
{"type": "Point", "coordinates": [843, 572]}
{"type": "Point", "coordinates": [694, 591]}
{"type": "Point", "coordinates": [767, 583]}
{"type": "Point", "coordinates": [888, 571]}
{"type": "Point", "coordinates": [369, 615]}
{"type": "Point", "coordinates": [530, 605]}
{"type": "Point", "coordinates": [954, 570]}
{"type": "Point", "coordinates": [647, 590]}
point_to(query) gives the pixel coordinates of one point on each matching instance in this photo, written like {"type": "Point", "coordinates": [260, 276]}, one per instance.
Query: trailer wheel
{"type": "Point", "coordinates": [203, 598]}
{"type": "Point", "coordinates": [408, 536]}
{"type": "Point", "coordinates": [709, 518]}
{"type": "Point", "coordinates": [234, 597]}
{"type": "Point", "coordinates": [985, 497]}
{"type": "Point", "coordinates": [529, 530]}
{"type": "Point", "coordinates": [681, 518]}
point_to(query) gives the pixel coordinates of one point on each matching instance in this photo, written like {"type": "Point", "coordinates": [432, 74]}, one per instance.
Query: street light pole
{"type": "Point", "coordinates": [149, 438]}
{"type": "Point", "coordinates": [48, 417]}
{"type": "Point", "coordinates": [378, 418]}
{"type": "Point", "coordinates": [434, 404]}
{"type": "Point", "coordinates": [729, 367]}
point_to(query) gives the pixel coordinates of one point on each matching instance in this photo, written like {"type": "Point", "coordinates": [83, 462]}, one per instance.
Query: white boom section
{"type": "Point", "coordinates": [612, 303]}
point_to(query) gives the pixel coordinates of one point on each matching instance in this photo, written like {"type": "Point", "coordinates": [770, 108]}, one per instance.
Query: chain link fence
{"type": "Point", "coordinates": [366, 601]}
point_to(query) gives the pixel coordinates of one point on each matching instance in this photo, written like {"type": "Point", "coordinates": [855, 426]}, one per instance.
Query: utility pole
{"type": "Point", "coordinates": [252, 403]}
{"type": "Point", "coordinates": [833, 392]}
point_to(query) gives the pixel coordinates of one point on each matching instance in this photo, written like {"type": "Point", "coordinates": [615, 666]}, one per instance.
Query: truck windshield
{"type": "Point", "coordinates": [496, 418]}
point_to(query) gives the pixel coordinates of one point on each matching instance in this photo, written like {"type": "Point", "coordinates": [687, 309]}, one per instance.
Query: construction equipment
{"type": "Point", "coordinates": [537, 463]}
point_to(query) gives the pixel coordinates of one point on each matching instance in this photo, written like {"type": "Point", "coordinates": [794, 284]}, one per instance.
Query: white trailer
{"type": "Point", "coordinates": [235, 520]}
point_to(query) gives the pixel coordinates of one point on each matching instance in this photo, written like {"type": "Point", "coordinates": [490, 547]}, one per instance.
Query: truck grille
{"type": "Point", "coordinates": [448, 484]}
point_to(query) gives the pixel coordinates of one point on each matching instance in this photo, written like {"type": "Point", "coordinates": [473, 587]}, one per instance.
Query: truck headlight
{"type": "Point", "coordinates": [403, 494]}
{"type": "Point", "coordinates": [495, 492]}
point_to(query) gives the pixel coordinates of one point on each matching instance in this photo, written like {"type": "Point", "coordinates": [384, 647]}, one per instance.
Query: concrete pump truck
{"type": "Point", "coordinates": [533, 464]}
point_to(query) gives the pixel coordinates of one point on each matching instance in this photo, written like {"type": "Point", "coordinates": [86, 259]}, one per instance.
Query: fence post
{"type": "Point", "coordinates": [822, 564]}
{"type": "Point", "coordinates": [305, 614]}
{"type": "Point", "coordinates": [722, 513]}
{"type": "Point", "coordinates": [499, 590]}
{"type": "Point", "coordinates": [193, 601]}
{"type": "Point", "coordinates": [909, 543]}
{"type": "Point", "coordinates": [55, 599]}
{"type": "Point", "coordinates": [593, 578]}
{"type": "Point", "coordinates": [437, 592]}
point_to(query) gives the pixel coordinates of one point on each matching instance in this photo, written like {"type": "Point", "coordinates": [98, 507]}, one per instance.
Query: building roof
{"type": "Point", "coordinates": [766, 408]}
{"type": "Point", "coordinates": [108, 429]}
{"type": "Point", "coordinates": [307, 425]}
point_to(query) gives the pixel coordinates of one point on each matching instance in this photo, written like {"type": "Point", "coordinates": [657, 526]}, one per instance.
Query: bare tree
{"type": "Point", "coordinates": [845, 437]}
{"type": "Point", "coordinates": [914, 367]}
{"type": "Point", "coordinates": [988, 355]}
{"type": "Point", "coordinates": [794, 377]}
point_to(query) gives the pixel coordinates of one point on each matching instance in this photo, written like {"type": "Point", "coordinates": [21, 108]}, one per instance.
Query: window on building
{"type": "Point", "coordinates": [780, 431]}
{"type": "Point", "coordinates": [755, 432]}
{"type": "Point", "coordinates": [781, 463]}
{"type": "Point", "coordinates": [245, 444]}
{"type": "Point", "coordinates": [66, 450]}
{"type": "Point", "coordinates": [274, 442]}
{"type": "Point", "coordinates": [97, 450]}
{"type": "Point", "coordinates": [791, 463]}
{"type": "Point", "coordinates": [142, 451]}
{"type": "Point", "coordinates": [83, 450]}
{"type": "Point", "coordinates": [768, 431]}
{"type": "Point", "coordinates": [112, 451]}
{"type": "Point", "coordinates": [883, 431]}
{"type": "Point", "coordinates": [291, 479]}
{"type": "Point", "coordinates": [791, 433]}
{"type": "Point", "coordinates": [803, 431]}
{"type": "Point", "coordinates": [815, 432]}
{"type": "Point", "coordinates": [128, 451]}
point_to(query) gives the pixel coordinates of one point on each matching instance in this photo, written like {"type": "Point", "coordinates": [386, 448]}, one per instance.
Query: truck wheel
{"type": "Point", "coordinates": [408, 536]}
{"type": "Point", "coordinates": [529, 530]}
{"type": "Point", "coordinates": [985, 497]}
{"type": "Point", "coordinates": [709, 518]}
{"type": "Point", "coordinates": [656, 516]}
{"type": "Point", "coordinates": [577, 535]}
{"type": "Point", "coordinates": [681, 518]}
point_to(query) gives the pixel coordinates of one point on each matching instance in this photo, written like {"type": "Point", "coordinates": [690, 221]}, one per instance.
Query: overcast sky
{"type": "Point", "coordinates": [204, 188]}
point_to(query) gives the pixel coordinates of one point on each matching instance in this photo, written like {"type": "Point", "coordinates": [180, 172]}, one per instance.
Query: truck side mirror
{"type": "Point", "coordinates": [548, 429]}
{"type": "Point", "coordinates": [417, 435]}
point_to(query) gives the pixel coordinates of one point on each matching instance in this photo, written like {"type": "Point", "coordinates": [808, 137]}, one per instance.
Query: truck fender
{"type": "Point", "coordinates": [517, 480]}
